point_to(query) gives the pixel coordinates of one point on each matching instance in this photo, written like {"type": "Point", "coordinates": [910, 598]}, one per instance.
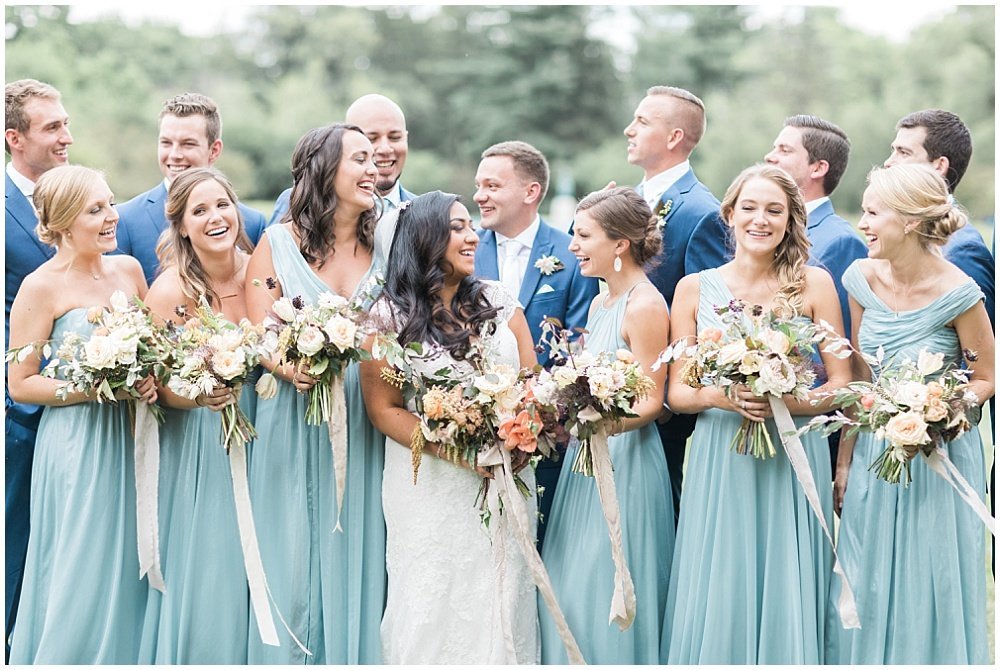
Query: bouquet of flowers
{"type": "Point", "coordinates": [914, 406]}
{"type": "Point", "coordinates": [125, 346]}
{"type": "Point", "coordinates": [589, 392]}
{"type": "Point", "coordinates": [325, 337]}
{"type": "Point", "coordinates": [210, 352]}
{"type": "Point", "coordinates": [757, 349]}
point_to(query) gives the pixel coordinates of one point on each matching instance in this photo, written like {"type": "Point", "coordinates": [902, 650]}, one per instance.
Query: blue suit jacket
{"type": "Point", "coordinates": [281, 204]}
{"type": "Point", "coordinates": [969, 252]}
{"type": "Point", "coordinates": [570, 295]}
{"type": "Point", "coordinates": [25, 252]}
{"type": "Point", "coordinates": [835, 245]}
{"type": "Point", "coordinates": [694, 235]}
{"type": "Point", "coordinates": [143, 219]}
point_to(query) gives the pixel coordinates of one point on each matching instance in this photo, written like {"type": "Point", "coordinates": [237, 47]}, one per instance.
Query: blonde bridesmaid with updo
{"type": "Point", "coordinates": [82, 601]}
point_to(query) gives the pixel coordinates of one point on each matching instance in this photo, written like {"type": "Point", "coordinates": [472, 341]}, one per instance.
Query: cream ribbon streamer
{"type": "Point", "coordinates": [939, 462]}
{"type": "Point", "coordinates": [259, 590]}
{"type": "Point", "coordinates": [846, 607]}
{"type": "Point", "coordinates": [623, 598]}
{"type": "Point", "coordinates": [147, 481]}
{"type": "Point", "coordinates": [337, 427]}
{"type": "Point", "coordinates": [504, 487]}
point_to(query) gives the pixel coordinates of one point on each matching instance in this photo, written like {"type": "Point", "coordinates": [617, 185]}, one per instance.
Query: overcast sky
{"type": "Point", "coordinates": [893, 19]}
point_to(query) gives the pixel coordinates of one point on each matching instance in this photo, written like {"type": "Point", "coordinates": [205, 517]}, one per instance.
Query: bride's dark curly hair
{"type": "Point", "coordinates": [415, 275]}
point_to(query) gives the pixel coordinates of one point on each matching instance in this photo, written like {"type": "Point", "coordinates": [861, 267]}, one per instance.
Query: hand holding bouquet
{"type": "Point", "coordinates": [914, 406]}
{"type": "Point", "coordinates": [757, 350]}
{"type": "Point", "coordinates": [125, 347]}
{"type": "Point", "coordinates": [591, 392]}
{"type": "Point", "coordinates": [321, 339]}
{"type": "Point", "coordinates": [212, 352]}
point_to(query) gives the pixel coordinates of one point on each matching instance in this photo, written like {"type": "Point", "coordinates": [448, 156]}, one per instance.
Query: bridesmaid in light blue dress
{"type": "Point", "coordinates": [202, 616]}
{"type": "Point", "coordinates": [916, 555]}
{"type": "Point", "coordinates": [82, 600]}
{"type": "Point", "coordinates": [329, 586]}
{"type": "Point", "coordinates": [752, 566]}
{"type": "Point", "coordinates": [615, 234]}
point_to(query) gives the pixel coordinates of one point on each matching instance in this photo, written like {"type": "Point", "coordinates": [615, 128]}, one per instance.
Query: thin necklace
{"type": "Point", "coordinates": [895, 297]}
{"type": "Point", "coordinates": [96, 275]}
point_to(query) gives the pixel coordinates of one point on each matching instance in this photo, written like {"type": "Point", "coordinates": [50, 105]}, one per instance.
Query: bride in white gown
{"type": "Point", "coordinates": [447, 602]}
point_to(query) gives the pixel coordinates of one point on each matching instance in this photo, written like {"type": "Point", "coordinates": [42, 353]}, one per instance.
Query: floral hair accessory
{"type": "Point", "coordinates": [549, 264]}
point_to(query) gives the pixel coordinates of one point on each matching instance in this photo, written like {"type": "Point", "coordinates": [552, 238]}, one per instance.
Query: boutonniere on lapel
{"type": "Point", "coordinates": [549, 264]}
{"type": "Point", "coordinates": [661, 216]}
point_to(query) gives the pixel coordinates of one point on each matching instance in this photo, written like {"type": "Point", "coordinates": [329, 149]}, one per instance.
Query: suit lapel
{"type": "Point", "coordinates": [817, 216]}
{"type": "Point", "coordinates": [24, 215]}
{"type": "Point", "coordinates": [532, 275]}
{"type": "Point", "coordinates": [486, 256]}
{"type": "Point", "coordinates": [155, 211]}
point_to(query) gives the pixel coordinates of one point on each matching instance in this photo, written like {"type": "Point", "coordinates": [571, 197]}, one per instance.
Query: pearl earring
{"type": "Point", "coordinates": [618, 263]}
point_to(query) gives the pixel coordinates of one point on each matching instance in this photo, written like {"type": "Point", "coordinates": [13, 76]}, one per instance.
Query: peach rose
{"type": "Point", "coordinates": [710, 335]}
{"type": "Point", "coordinates": [907, 429]}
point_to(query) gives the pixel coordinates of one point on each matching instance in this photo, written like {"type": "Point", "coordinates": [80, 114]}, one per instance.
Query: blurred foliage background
{"type": "Point", "coordinates": [468, 76]}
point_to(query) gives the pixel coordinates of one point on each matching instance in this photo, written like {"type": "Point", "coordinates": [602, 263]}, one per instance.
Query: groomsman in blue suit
{"type": "Point", "coordinates": [941, 139]}
{"type": "Point", "coordinates": [814, 152]}
{"type": "Point", "coordinates": [190, 136]}
{"type": "Point", "coordinates": [383, 122]}
{"type": "Point", "coordinates": [666, 127]}
{"type": "Point", "coordinates": [37, 138]}
{"type": "Point", "coordinates": [528, 256]}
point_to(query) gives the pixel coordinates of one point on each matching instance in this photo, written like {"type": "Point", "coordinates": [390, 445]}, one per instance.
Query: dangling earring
{"type": "Point", "coordinates": [618, 264]}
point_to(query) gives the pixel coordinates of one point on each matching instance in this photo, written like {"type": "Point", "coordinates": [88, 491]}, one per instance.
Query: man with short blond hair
{"type": "Point", "coordinates": [37, 138]}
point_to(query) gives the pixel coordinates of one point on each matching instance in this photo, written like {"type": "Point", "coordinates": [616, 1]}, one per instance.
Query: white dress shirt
{"type": "Point", "coordinates": [652, 189]}
{"type": "Point", "coordinates": [513, 254]}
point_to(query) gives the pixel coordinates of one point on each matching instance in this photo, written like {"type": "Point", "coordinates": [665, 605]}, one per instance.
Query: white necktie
{"type": "Point", "coordinates": [510, 270]}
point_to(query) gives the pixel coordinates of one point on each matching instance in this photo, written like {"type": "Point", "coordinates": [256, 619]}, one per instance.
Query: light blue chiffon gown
{"type": "Point", "coordinates": [202, 617]}
{"type": "Point", "coordinates": [752, 566]}
{"type": "Point", "coordinates": [577, 550]}
{"type": "Point", "coordinates": [915, 556]}
{"type": "Point", "coordinates": [81, 601]}
{"type": "Point", "coordinates": [329, 586]}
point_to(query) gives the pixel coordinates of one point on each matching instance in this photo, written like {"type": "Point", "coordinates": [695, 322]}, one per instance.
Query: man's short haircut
{"type": "Point", "coordinates": [529, 162]}
{"type": "Point", "coordinates": [946, 136]}
{"type": "Point", "coordinates": [691, 117]}
{"type": "Point", "coordinates": [824, 141]}
{"type": "Point", "coordinates": [17, 94]}
{"type": "Point", "coordinates": [190, 104]}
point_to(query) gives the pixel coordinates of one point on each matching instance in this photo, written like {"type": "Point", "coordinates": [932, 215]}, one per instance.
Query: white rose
{"type": "Point", "coordinates": [584, 359]}
{"type": "Point", "coordinates": [564, 375]}
{"type": "Point", "coordinates": [928, 363]}
{"type": "Point", "coordinates": [125, 348]}
{"type": "Point", "coordinates": [100, 352]}
{"type": "Point", "coordinates": [329, 300]}
{"type": "Point", "coordinates": [228, 340]}
{"type": "Point", "coordinates": [776, 377]}
{"type": "Point", "coordinates": [310, 340]}
{"type": "Point", "coordinates": [732, 352]}
{"type": "Point", "coordinates": [267, 386]}
{"type": "Point", "coordinates": [602, 383]}
{"type": "Point", "coordinates": [776, 341]}
{"type": "Point", "coordinates": [228, 364]}
{"type": "Point", "coordinates": [119, 301]}
{"type": "Point", "coordinates": [750, 365]}
{"type": "Point", "coordinates": [284, 309]}
{"type": "Point", "coordinates": [911, 394]}
{"type": "Point", "coordinates": [341, 332]}
{"type": "Point", "coordinates": [907, 428]}
{"type": "Point", "coordinates": [545, 393]}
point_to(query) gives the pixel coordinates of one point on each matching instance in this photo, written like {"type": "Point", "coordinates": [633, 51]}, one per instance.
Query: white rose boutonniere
{"type": "Point", "coordinates": [549, 264]}
{"type": "Point", "coordinates": [661, 216]}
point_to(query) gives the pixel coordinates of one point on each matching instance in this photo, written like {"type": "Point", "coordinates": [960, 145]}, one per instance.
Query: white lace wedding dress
{"type": "Point", "coordinates": [445, 601]}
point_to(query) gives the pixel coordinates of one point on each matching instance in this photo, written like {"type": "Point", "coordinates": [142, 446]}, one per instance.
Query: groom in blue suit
{"type": "Point", "coordinates": [37, 138]}
{"type": "Point", "coordinates": [528, 256]}
{"type": "Point", "coordinates": [666, 127]}
{"type": "Point", "coordinates": [190, 136]}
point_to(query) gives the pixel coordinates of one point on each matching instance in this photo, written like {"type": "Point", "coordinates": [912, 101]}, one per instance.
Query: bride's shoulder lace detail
{"type": "Point", "coordinates": [383, 316]}
{"type": "Point", "coordinates": [500, 296]}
